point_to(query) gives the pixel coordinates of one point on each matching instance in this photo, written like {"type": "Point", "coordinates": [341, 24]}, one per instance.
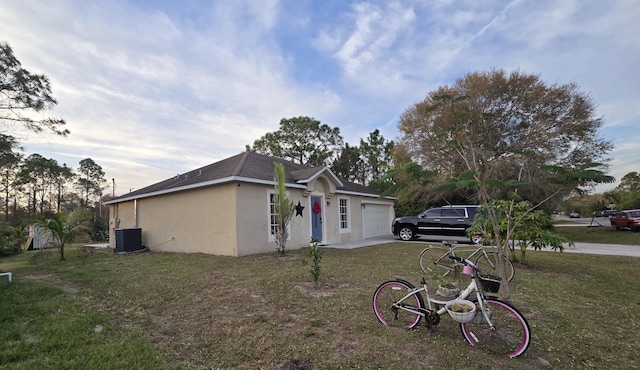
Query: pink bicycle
{"type": "Point", "coordinates": [486, 322]}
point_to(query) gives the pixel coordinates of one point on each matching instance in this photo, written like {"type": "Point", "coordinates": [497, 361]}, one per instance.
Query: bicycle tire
{"type": "Point", "coordinates": [488, 265]}
{"type": "Point", "coordinates": [435, 260]}
{"type": "Point", "coordinates": [391, 292]}
{"type": "Point", "coordinates": [512, 333]}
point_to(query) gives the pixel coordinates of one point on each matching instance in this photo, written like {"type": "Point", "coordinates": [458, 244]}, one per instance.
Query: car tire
{"type": "Point", "coordinates": [406, 233]}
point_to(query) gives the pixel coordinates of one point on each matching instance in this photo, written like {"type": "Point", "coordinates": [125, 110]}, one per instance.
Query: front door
{"type": "Point", "coordinates": [316, 218]}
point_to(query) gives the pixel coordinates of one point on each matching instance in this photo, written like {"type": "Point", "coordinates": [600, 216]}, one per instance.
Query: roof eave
{"type": "Point", "coordinates": [224, 180]}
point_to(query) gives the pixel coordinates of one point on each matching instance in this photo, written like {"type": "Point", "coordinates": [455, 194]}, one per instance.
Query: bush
{"type": "Point", "coordinates": [8, 247]}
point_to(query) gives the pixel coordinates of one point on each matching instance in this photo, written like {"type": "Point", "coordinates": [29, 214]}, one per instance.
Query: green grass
{"type": "Point", "coordinates": [604, 235]}
{"type": "Point", "coordinates": [161, 310]}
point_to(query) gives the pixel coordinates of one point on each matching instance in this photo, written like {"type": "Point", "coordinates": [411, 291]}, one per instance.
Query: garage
{"type": "Point", "coordinates": [376, 219]}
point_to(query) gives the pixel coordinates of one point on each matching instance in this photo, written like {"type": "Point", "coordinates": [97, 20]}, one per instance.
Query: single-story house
{"type": "Point", "coordinates": [226, 208]}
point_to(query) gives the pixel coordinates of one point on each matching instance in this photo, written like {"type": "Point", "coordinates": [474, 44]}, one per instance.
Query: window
{"type": "Point", "coordinates": [453, 212]}
{"type": "Point", "coordinates": [273, 216]}
{"type": "Point", "coordinates": [432, 213]}
{"type": "Point", "coordinates": [344, 213]}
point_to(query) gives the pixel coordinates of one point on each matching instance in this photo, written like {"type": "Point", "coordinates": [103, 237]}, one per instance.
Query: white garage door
{"type": "Point", "coordinates": [375, 218]}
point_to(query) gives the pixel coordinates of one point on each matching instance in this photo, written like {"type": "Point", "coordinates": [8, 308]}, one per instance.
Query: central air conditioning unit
{"type": "Point", "coordinates": [128, 240]}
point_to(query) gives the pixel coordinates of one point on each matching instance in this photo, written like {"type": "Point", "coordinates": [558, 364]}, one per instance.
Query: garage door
{"type": "Point", "coordinates": [375, 219]}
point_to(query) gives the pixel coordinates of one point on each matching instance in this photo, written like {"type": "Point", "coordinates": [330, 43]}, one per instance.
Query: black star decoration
{"type": "Point", "coordinates": [299, 209]}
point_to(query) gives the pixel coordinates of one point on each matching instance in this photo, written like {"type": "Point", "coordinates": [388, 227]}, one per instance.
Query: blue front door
{"type": "Point", "coordinates": [316, 218]}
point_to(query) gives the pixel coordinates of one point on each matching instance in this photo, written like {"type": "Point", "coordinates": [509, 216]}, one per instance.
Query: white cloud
{"type": "Point", "coordinates": [149, 90]}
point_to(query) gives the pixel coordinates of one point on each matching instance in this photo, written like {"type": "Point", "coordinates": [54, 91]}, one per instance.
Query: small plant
{"type": "Point", "coordinates": [315, 254]}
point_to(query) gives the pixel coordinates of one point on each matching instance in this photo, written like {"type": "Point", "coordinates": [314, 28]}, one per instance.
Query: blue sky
{"type": "Point", "coordinates": [150, 89]}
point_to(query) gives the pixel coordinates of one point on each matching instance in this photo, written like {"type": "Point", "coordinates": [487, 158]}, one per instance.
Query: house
{"type": "Point", "coordinates": [226, 208]}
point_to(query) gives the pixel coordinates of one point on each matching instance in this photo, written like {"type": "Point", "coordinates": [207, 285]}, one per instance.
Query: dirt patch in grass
{"type": "Point", "coordinates": [322, 289]}
{"type": "Point", "coordinates": [53, 281]}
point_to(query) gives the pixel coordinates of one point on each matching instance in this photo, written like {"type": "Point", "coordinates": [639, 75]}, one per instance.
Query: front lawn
{"type": "Point", "coordinates": [162, 310]}
{"type": "Point", "coordinates": [599, 234]}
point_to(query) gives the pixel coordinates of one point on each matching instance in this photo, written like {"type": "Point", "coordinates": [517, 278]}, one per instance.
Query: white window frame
{"type": "Point", "coordinates": [270, 215]}
{"type": "Point", "coordinates": [347, 214]}
{"type": "Point", "coordinates": [270, 221]}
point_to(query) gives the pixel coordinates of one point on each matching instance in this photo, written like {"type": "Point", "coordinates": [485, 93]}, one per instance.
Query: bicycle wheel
{"type": "Point", "coordinates": [436, 261]}
{"type": "Point", "coordinates": [487, 265]}
{"type": "Point", "coordinates": [392, 292]}
{"type": "Point", "coordinates": [511, 335]}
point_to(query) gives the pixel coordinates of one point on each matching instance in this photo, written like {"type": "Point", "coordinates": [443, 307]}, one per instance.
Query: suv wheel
{"type": "Point", "coordinates": [406, 233]}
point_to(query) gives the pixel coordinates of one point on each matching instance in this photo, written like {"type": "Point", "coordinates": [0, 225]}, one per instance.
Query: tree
{"type": "Point", "coordinates": [367, 163]}
{"type": "Point", "coordinates": [22, 92]}
{"type": "Point", "coordinates": [348, 164]}
{"type": "Point", "coordinates": [90, 179]}
{"type": "Point", "coordinates": [10, 161]}
{"type": "Point", "coordinates": [504, 126]}
{"type": "Point", "coordinates": [376, 155]}
{"type": "Point", "coordinates": [627, 193]}
{"type": "Point", "coordinates": [498, 134]}
{"type": "Point", "coordinates": [531, 228]}
{"type": "Point", "coordinates": [301, 140]}
{"type": "Point", "coordinates": [283, 208]}
{"type": "Point", "coordinates": [62, 176]}
{"type": "Point", "coordinates": [33, 174]}
{"type": "Point", "coordinates": [63, 229]}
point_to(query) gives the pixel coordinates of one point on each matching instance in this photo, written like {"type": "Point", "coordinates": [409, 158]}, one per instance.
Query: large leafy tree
{"type": "Point", "coordinates": [627, 194]}
{"type": "Point", "coordinates": [22, 93]}
{"type": "Point", "coordinates": [497, 134]}
{"type": "Point", "coordinates": [302, 140]}
{"type": "Point", "coordinates": [504, 126]}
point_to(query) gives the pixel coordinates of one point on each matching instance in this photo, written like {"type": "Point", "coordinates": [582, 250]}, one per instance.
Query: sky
{"type": "Point", "coordinates": [150, 89]}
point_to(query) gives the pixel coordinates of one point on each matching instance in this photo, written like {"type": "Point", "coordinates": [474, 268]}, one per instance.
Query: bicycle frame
{"type": "Point", "coordinates": [452, 251]}
{"type": "Point", "coordinates": [468, 291]}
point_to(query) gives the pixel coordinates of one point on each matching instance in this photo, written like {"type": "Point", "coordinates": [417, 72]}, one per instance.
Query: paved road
{"type": "Point", "coordinates": [586, 248]}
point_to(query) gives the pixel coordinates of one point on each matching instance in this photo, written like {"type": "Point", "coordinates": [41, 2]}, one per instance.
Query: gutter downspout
{"type": "Point", "coordinates": [135, 212]}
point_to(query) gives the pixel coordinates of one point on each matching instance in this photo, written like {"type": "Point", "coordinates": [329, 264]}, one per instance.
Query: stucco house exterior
{"type": "Point", "coordinates": [226, 208]}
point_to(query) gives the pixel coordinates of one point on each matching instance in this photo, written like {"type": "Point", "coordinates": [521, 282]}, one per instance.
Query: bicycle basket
{"type": "Point", "coordinates": [490, 283]}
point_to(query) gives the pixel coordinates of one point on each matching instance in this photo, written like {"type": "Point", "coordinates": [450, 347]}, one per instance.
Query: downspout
{"type": "Point", "coordinates": [135, 213]}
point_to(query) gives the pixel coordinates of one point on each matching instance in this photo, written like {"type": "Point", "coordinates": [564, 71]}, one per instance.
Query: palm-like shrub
{"type": "Point", "coordinates": [284, 207]}
{"type": "Point", "coordinates": [63, 230]}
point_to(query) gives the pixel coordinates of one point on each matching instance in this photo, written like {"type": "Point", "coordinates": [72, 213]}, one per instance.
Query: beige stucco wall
{"type": "Point", "coordinates": [193, 221]}
{"type": "Point", "coordinates": [254, 223]}
{"type": "Point", "coordinates": [233, 219]}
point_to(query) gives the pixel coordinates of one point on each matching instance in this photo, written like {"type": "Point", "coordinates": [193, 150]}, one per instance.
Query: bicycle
{"type": "Point", "coordinates": [493, 324]}
{"type": "Point", "coordinates": [435, 260]}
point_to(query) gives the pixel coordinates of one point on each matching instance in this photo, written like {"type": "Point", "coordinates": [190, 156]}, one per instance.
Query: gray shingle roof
{"type": "Point", "coordinates": [247, 167]}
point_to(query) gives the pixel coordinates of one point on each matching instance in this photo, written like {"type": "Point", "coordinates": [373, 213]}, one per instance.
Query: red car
{"type": "Point", "coordinates": [628, 219]}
